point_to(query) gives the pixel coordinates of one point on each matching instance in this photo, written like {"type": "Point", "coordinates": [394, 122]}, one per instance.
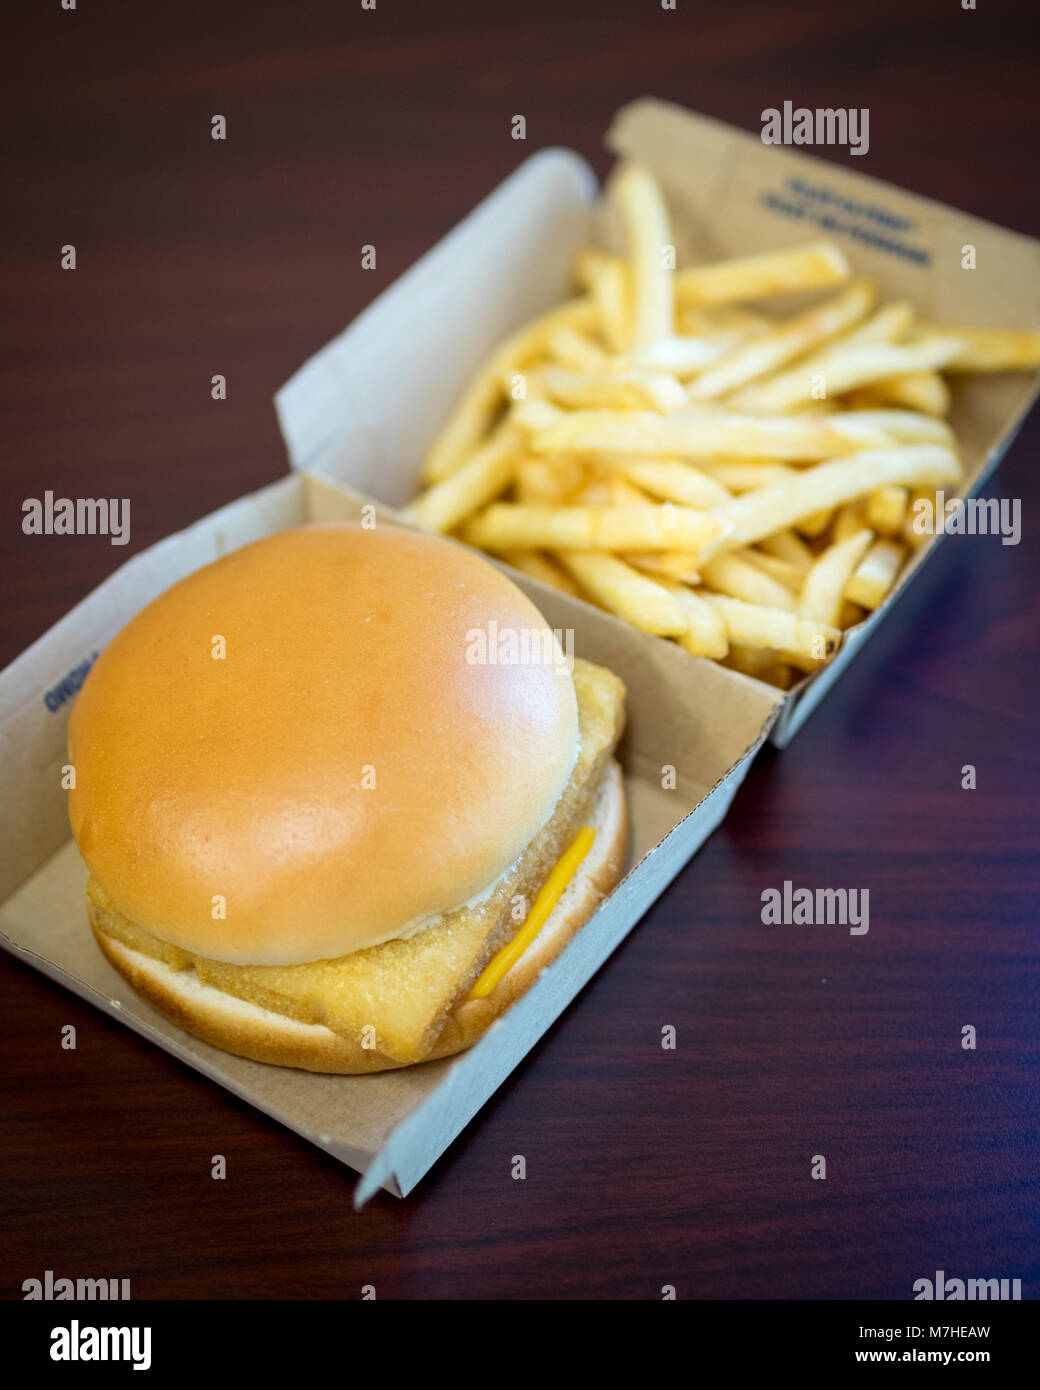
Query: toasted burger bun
{"type": "Point", "coordinates": [251, 1031]}
{"type": "Point", "coordinates": [344, 771]}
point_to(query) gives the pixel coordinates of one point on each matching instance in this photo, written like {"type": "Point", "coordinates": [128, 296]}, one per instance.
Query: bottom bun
{"type": "Point", "coordinates": [238, 1026]}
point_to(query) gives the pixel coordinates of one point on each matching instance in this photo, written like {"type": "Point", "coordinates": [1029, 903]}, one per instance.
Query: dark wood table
{"type": "Point", "coordinates": [645, 1167]}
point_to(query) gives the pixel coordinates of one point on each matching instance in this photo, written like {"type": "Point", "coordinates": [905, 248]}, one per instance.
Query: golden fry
{"type": "Point", "coordinates": [744, 475]}
{"type": "Point", "coordinates": [813, 267]}
{"type": "Point", "coordinates": [875, 574]}
{"type": "Point", "coordinates": [886, 509]}
{"type": "Point", "coordinates": [992, 349]}
{"type": "Point", "coordinates": [649, 238]}
{"type": "Point", "coordinates": [609, 281]}
{"type": "Point", "coordinates": [669, 564]}
{"type": "Point", "coordinates": [671, 480]}
{"type": "Point", "coordinates": [755, 626]}
{"type": "Point", "coordinates": [682, 357]}
{"type": "Point", "coordinates": [888, 325]}
{"type": "Point", "coordinates": [772, 350]}
{"type": "Point", "coordinates": [482, 477]}
{"type": "Point", "coordinates": [842, 368]}
{"type": "Point", "coordinates": [575, 351]}
{"type": "Point", "coordinates": [921, 391]}
{"type": "Point", "coordinates": [814, 524]}
{"type": "Point", "coordinates": [791, 576]}
{"type": "Point", "coordinates": [542, 567]}
{"type": "Point", "coordinates": [473, 415]}
{"type": "Point", "coordinates": [902, 426]}
{"type": "Point", "coordinates": [520, 526]}
{"type": "Point", "coordinates": [759, 663]}
{"type": "Point", "coordinates": [849, 518]}
{"type": "Point", "coordinates": [789, 546]}
{"type": "Point", "coordinates": [821, 596]}
{"type": "Point", "coordinates": [705, 633]}
{"type": "Point", "coordinates": [759, 514]}
{"type": "Point", "coordinates": [733, 575]}
{"type": "Point", "coordinates": [554, 478]}
{"type": "Point", "coordinates": [697, 434]}
{"type": "Point", "coordinates": [634, 388]}
{"type": "Point", "coordinates": [623, 590]}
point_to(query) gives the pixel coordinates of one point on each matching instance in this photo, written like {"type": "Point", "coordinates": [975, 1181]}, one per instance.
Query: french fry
{"type": "Point", "coordinates": [821, 596]}
{"type": "Point", "coordinates": [921, 507]}
{"type": "Point", "coordinates": [888, 325]}
{"type": "Point", "coordinates": [623, 590]}
{"type": "Point", "coordinates": [754, 626]}
{"type": "Point", "coordinates": [992, 349]}
{"type": "Point", "coordinates": [525, 526]}
{"type": "Point", "coordinates": [482, 477]}
{"type": "Point", "coordinates": [555, 478]}
{"type": "Point", "coordinates": [575, 351]}
{"type": "Point", "coordinates": [663, 449]}
{"type": "Point", "coordinates": [875, 574]}
{"type": "Point", "coordinates": [522, 383]}
{"type": "Point", "coordinates": [842, 368]}
{"type": "Point", "coordinates": [649, 238]}
{"type": "Point", "coordinates": [609, 282]}
{"type": "Point", "coordinates": [624, 493]}
{"type": "Point", "coordinates": [789, 340]}
{"type": "Point", "coordinates": [542, 567]}
{"type": "Point", "coordinates": [683, 356]}
{"type": "Point", "coordinates": [632, 389]}
{"type": "Point", "coordinates": [812, 267]}
{"type": "Point", "coordinates": [901, 426]}
{"type": "Point", "coordinates": [886, 509]}
{"type": "Point", "coordinates": [815, 523]}
{"type": "Point", "coordinates": [760, 663]}
{"type": "Point", "coordinates": [475, 412]}
{"type": "Point", "coordinates": [787, 545]}
{"type": "Point", "coordinates": [851, 614]}
{"type": "Point", "coordinates": [671, 480]}
{"type": "Point", "coordinates": [671, 564]}
{"type": "Point", "coordinates": [595, 492]}
{"type": "Point", "coordinates": [723, 318]}
{"type": "Point", "coordinates": [849, 518]}
{"type": "Point", "coordinates": [733, 575]}
{"type": "Point", "coordinates": [696, 434]}
{"type": "Point", "coordinates": [744, 475]}
{"type": "Point", "coordinates": [791, 576]}
{"type": "Point", "coordinates": [883, 327]}
{"type": "Point", "coordinates": [922, 391]}
{"type": "Point", "coordinates": [705, 633]}
{"type": "Point", "coordinates": [591, 262]}
{"type": "Point", "coordinates": [535, 416]}
{"type": "Point", "coordinates": [758, 514]}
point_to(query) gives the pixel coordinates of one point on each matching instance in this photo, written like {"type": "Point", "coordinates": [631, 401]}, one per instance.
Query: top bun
{"type": "Point", "coordinates": [349, 766]}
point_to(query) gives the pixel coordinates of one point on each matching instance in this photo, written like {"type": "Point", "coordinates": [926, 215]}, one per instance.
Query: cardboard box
{"type": "Point", "coordinates": [350, 442]}
{"type": "Point", "coordinates": [706, 723]}
{"type": "Point", "coordinates": [728, 195]}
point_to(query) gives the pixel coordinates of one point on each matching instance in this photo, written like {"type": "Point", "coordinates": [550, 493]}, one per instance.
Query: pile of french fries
{"type": "Point", "coordinates": [741, 483]}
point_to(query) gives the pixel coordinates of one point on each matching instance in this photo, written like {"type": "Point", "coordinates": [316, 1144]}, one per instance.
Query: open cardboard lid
{"type": "Point", "coordinates": [343, 413]}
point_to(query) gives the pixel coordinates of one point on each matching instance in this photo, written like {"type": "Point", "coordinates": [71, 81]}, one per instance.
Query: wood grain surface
{"type": "Point", "coordinates": [645, 1167]}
